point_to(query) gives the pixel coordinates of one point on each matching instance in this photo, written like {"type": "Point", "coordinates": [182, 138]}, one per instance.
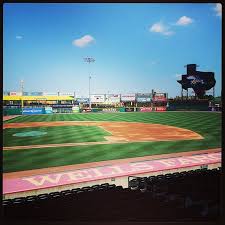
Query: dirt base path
{"type": "Point", "coordinates": [121, 132]}
{"type": "Point", "coordinates": [9, 117]}
{"type": "Point", "coordinates": [49, 170]}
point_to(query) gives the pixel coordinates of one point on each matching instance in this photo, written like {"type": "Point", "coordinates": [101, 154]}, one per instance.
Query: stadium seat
{"type": "Point", "coordinates": [17, 208]}
{"type": "Point", "coordinates": [43, 196]}
{"type": "Point", "coordinates": [91, 189]}
{"type": "Point", "coordinates": [55, 197]}
{"type": "Point", "coordinates": [95, 186]}
{"type": "Point", "coordinates": [160, 176]}
{"type": "Point", "coordinates": [20, 199]}
{"type": "Point", "coordinates": [110, 188]}
{"type": "Point", "coordinates": [104, 185]}
{"type": "Point", "coordinates": [75, 190]}
{"type": "Point", "coordinates": [80, 192]}
{"type": "Point", "coordinates": [6, 202]}
{"type": "Point", "coordinates": [164, 199]}
{"type": "Point", "coordinates": [85, 188]}
{"type": "Point", "coordinates": [66, 192]}
{"type": "Point", "coordinates": [31, 197]}
{"type": "Point", "coordinates": [54, 193]}
{"type": "Point", "coordinates": [134, 184]}
{"type": "Point", "coordinates": [119, 188]}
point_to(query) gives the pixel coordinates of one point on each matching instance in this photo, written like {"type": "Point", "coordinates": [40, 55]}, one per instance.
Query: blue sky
{"type": "Point", "coordinates": [137, 47]}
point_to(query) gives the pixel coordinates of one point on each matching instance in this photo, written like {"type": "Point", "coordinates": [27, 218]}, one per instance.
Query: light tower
{"type": "Point", "coordinates": [89, 60]}
{"type": "Point", "coordinates": [21, 89]}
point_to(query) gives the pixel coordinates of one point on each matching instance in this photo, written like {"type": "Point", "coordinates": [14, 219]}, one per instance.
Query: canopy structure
{"type": "Point", "coordinates": [37, 98]}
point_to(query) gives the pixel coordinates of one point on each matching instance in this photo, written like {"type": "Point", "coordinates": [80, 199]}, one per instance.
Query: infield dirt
{"type": "Point", "coordinates": [121, 132]}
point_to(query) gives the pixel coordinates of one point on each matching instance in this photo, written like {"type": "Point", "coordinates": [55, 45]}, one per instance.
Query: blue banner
{"type": "Point", "coordinates": [48, 110]}
{"type": "Point", "coordinates": [82, 100]}
{"type": "Point", "coordinates": [32, 111]}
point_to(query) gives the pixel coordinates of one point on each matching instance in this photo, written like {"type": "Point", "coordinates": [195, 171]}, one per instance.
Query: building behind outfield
{"type": "Point", "coordinates": [16, 103]}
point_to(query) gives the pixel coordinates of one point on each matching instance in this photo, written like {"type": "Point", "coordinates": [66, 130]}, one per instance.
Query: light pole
{"type": "Point", "coordinates": [89, 60]}
{"type": "Point", "coordinates": [89, 91]}
{"type": "Point", "coordinates": [22, 87]}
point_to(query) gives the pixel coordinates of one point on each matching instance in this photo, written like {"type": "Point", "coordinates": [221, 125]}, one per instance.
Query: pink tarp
{"type": "Point", "coordinates": [125, 169]}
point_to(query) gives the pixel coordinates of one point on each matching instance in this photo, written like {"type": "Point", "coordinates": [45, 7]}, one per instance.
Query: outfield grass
{"type": "Point", "coordinates": [207, 124]}
{"type": "Point", "coordinates": [54, 135]}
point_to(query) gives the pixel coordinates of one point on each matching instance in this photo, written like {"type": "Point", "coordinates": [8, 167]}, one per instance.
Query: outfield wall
{"type": "Point", "coordinates": [69, 109]}
{"type": "Point", "coordinates": [44, 110]}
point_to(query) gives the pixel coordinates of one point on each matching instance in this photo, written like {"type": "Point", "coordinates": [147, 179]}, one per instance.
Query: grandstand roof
{"type": "Point", "coordinates": [36, 98]}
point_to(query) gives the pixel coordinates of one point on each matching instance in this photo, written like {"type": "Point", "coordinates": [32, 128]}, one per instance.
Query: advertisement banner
{"type": "Point", "coordinates": [82, 100]}
{"type": "Point", "coordinates": [129, 109]}
{"type": "Point", "coordinates": [159, 97]}
{"type": "Point", "coordinates": [76, 109]}
{"type": "Point", "coordinates": [62, 106]}
{"type": "Point", "coordinates": [127, 97]}
{"type": "Point", "coordinates": [50, 93]}
{"type": "Point", "coordinates": [110, 110]}
{"type": "Point", "coordinates": [143, 99]}
{"type": "Point", "coordinates": [14, 93]}
{"type": "Point", "coordinates": [36, 93]}
{"type": "Point", "coordinates": [48, 110]}
{"type": "Point", "coordinates": [67, 94]}
{"type": "Point", "coordinates": [96, 110]}
{"type": "Point", "coordinates": [160, 108]}
{"type": "Point", "coordinates": [32, 111]}
{"type": "Point", "coordinates": [112, 98]}
{"type": "Point", "coordinates": [86, 110]}
{"type": "Point", "coordinates": [97, 98]}
{"type": "Point", "coordinates": [146, 109]}
{"type": "Point", "coordinates": [122, 109]}
{"type": "Point", "coordinates": [33, 93]}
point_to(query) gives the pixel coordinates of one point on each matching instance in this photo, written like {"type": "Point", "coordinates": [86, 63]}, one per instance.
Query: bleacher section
{"type": "Point", "coordinates": [184, 196]}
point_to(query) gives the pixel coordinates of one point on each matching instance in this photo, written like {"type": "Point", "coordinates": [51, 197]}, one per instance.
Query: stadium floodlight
{"type": "Point", "coordinates": [89, 60]}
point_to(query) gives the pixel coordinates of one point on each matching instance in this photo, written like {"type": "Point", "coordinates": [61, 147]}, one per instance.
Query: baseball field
{"type": "Point", "coordinates": [44, 141]}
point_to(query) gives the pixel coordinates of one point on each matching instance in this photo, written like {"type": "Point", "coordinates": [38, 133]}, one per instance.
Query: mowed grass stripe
{"type": "Point", "coordinates": [61, 156]}
{"type": "Point", "coordinates": [55, 135]}
{"type": "Point", "coordinates": [206, 124]}
{"type": "Point", "coordinates": [145, 117]}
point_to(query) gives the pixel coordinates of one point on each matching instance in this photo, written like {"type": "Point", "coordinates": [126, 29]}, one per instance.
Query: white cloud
{"type": "Point", "coordinates": [161, 28]}
{"type": "Point", "coordinates": [218, 9]}
{"type": "Point", "coordinates": [184, 20]}
{"type": "Point", "coordinates": [19, 37]}
{"type": "Point", "coordinates": [84, 41]}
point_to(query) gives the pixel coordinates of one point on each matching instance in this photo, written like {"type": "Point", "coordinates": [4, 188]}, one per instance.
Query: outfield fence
{"type": "Point", "coordinates": [50, 110]}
